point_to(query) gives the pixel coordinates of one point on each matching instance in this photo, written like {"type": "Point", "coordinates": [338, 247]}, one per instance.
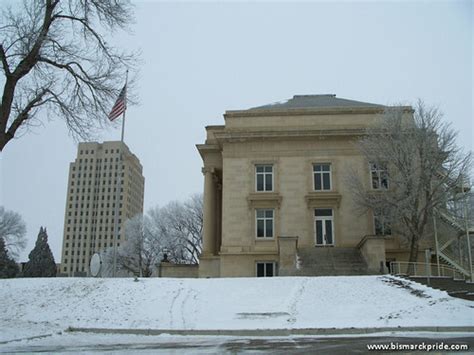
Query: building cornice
{"type": "Point", "coordinates": [215, 127]}
{"type": "Point", "coordinates": [251, 252]}
{"type": "Point", "coordinates": [311, 111]}
{"type": "Point", "coordinates": [237, 136]}
{"type": "Point", "coordinates": [207, 148]}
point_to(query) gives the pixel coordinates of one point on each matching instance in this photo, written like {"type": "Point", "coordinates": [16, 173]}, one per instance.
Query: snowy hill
{"type": "Point", "coordinates": [34, 306]}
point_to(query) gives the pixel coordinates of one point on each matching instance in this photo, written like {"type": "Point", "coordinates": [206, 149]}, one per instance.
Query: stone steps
{"type": "Point", "coordinates": [331, 273]}
{"type": "Point", "coordinates": [455, 288]}
{"type": "Point", "coordinates": [331, 265]}
{"type": "Point", "coordinates": [330, 261]}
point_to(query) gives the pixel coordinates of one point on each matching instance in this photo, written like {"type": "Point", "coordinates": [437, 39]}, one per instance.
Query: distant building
{"type": "Point", "coordinates": [91, 201]}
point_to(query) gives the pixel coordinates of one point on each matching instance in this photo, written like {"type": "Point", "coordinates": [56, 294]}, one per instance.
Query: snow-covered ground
{"type": "Point", "coordinates": [32, 307]}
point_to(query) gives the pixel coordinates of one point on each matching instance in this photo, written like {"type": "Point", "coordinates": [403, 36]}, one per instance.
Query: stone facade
{"type": "Point", "coordinates": [256, 220]}
{"type": "Point", "coordinates": [167, 269]}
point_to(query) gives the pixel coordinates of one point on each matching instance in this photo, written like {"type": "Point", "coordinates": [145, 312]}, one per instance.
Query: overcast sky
{"type": "Point", "coordinates": [202, 58]}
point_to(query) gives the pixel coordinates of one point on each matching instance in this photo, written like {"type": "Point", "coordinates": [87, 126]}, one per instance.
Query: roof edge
{"type": "Point", "coordinates": [214, 127]}
{"type": "Point", "coordinates": [312, 111]}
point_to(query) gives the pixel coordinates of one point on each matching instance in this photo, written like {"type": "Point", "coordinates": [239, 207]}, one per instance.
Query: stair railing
{"type": "Point", "coordinates": [454, 249]}
{"type": "Point", "coordinates": [405, 268]}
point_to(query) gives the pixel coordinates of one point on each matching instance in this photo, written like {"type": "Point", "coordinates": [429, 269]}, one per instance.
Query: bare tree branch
{"type": "Point", "coordinates": [23, 114]}
{"type": "Point", "coordinates": [3, 58]}
{"type": "Point", "coordinates": [59, 48]}
{"type": "Point", "coordinates": [425, 170]}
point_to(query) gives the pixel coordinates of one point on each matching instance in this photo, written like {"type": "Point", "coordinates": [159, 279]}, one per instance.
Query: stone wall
{"type": "Point", "coordinates": [177, 270]}
{"type": "Point", "coordinates": [372, 249]}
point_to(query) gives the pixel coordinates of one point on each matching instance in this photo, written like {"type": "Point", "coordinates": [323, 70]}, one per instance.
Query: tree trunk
{"type": "Point", "coordinates": [413, 254]}
{"type": "Point", "coordinates": [3, 141]}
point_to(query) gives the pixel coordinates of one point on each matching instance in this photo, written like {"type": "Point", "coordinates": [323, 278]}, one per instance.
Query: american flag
{"type": "Point", "coordinates": [120, 105]}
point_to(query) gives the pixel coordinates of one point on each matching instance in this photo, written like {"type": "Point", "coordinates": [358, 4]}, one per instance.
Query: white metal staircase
{"type": "Point", "coordinates": [452, 248]}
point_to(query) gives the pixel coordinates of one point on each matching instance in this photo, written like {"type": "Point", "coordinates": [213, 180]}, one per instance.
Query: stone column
{"type": "Point", "coordinates": [209, 213]}
{"type": "Point", "coordinates": [218, 217]}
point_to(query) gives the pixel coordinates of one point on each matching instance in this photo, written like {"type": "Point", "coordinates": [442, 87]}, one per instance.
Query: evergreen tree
{"type": "Point", "coordinates": [41, 261]}
{"type": "Point", "coordinates": [8, 266]}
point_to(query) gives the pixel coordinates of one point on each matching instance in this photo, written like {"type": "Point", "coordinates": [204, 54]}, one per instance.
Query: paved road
{"type": "Point", "coordinates": [222, 345]}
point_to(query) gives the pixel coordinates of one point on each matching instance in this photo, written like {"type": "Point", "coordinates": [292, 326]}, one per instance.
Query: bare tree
{"type": "Point", "coordinates": [55, 59]}
{"type": "Point", "coordinates": [174, 230]}
{"type": "Point", "coordinates": [142, 250]}
{"type": "Point", "coordinates": [470, 209]}
{"type": "Point", "coordinates": [12, 231]}
{"type": "Point", "coordinates": [180, 225]}
{"type": "Point", "coordinates": [420, 166]}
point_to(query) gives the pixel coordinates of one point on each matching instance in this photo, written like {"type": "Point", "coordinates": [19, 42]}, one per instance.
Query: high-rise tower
{"type": "Point", "coordinates": [92, 196]}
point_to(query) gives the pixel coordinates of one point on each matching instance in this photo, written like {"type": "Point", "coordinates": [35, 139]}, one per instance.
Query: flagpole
{"type": "Point", "coordinates": [123, 117]}
{"type": "Point", "coordinates": [118, 186]}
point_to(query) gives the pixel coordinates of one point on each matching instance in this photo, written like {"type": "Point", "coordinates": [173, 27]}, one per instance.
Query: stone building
{"type": "Point", "coordinates": [91, 201]}
{"type": "Point", "coordinates": [275, 200]}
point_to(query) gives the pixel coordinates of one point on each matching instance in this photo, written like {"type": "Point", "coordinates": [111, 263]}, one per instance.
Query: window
{"type": "Point", "coordinates": [266, 269]}
{"type": "Point", "coordinates": [322, 177]}
{"type": "Point", "coordinates": [382, 223]}
{"type": "Point", "coordinates": [264, 223]}
{"type": "Point", "coordinates": [379, 176]}
{"type": "Point", "coordinates": [264, 177]}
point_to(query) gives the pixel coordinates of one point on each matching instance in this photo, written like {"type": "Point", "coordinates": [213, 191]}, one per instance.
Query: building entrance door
{"type": "Point", "coordinates": [323, 226]}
